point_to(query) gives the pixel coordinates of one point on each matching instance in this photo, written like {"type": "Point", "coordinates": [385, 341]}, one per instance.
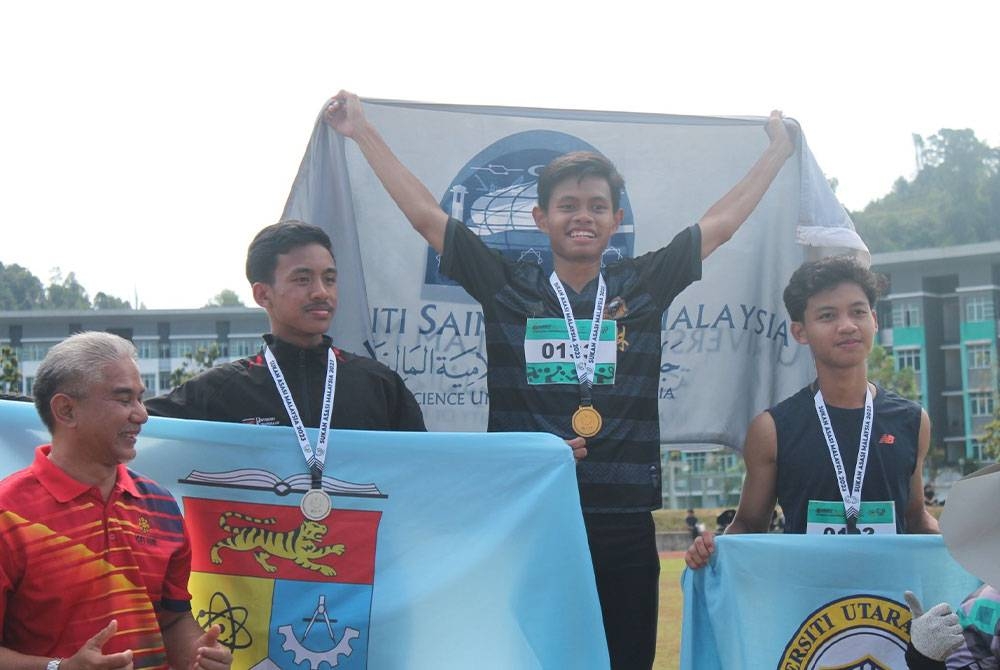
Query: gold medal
{"type": "Point", "coordinates": [586, 421]}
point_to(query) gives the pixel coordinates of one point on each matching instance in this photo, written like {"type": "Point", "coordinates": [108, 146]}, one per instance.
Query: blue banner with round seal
{"type": "Point", "coordinates": [800, 602]}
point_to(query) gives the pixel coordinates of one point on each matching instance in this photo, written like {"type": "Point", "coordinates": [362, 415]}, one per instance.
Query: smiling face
{"type": "Point", "coordinates": [579, 220]}
{"type": "Point", "coordinates": [107, 419]}
{"type": "Point", "coordinates": [302, 298]}
{"type": "Point", "coordinates": [839, 325]}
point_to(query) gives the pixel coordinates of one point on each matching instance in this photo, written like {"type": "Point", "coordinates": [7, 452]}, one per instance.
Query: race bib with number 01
{"type": "Point", "coordinates": [549, 358]}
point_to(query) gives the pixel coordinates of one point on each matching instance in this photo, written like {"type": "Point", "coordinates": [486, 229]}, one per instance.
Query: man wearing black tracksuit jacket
{"type": "Point", "coordinates": [369, 395]}
{"type": "Point", "coordinates": [291, 268]}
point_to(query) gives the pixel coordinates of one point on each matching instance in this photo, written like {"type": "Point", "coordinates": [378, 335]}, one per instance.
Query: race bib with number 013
{"type": "Point", "coordinates": [549, 358]}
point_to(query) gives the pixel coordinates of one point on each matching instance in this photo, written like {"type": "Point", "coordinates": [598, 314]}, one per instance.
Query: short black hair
{"type": "Point", "coordinates": [814, 277]}
{"type": "Point", "coordinates": [280, 238]}
{"type": "Point", "coordinates": [579, 165]}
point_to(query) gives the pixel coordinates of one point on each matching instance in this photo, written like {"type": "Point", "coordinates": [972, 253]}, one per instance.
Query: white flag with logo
{"type": "Point", "coordinates": [727, 352]}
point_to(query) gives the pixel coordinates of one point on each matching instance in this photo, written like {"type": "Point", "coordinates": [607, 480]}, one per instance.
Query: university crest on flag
{"type": "Point", "coordinates": [833, 603]}
{"type": "Point", "coordinates": [470, 552]}
{"type": "Point", "coordinates": [288, 592]}
{"type": "Point", "coordinates": [860, 632]}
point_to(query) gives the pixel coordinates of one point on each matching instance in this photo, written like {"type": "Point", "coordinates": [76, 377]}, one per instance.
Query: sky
{"type": "Point", "coordinates": [143, 143]}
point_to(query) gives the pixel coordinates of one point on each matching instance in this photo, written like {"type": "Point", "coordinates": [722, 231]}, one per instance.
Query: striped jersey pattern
{"type": "Point", "coordinates": [622, 471]}
{"type": "Point", "coordinates": [70, 562]}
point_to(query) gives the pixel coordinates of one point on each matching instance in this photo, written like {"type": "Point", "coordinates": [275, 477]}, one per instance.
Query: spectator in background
{"type": "Point", "coordinates": [692, 523]}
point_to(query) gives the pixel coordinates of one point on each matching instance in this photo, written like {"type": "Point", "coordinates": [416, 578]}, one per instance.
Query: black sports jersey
{"type": "Point", "coordinates": [622, 470]}
{"type": "Point", "coordinates": [368, 395]}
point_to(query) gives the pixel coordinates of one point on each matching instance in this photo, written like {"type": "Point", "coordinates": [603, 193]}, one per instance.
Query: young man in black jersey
{"type": "Point", "coordinates": [609, 419]}
{"type": "Point", "coordinates": [794, 450]}
{"type": "Point", "coordinates": [293, 274]}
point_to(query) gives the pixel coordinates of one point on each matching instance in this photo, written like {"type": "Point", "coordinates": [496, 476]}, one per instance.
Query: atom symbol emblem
{"type": "Point", "coordinates": [231, 619]}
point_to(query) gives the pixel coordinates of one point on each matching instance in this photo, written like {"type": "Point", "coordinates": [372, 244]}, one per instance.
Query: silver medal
{"type": "Point", "coordinates": [315, 505]}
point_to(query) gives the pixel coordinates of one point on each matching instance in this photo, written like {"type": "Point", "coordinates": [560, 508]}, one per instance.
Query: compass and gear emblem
{"type": "Point", "coordinates": [316, 659]}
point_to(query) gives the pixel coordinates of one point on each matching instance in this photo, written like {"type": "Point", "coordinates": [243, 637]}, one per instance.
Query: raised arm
{"type": "Point", "coordinates": [753, 514]}
{"type": "Point", "coordinates": [345, 115]}
{"type": "Point", "coordinates": [918, 519]}
{"type": "Point", "coordinates": [723, 218]}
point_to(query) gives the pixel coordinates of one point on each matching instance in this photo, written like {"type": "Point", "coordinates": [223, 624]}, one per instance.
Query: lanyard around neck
{"type": "Point", "coordinates": [852, 496]}
{"type": "Point", "coordinates": [315, 458]}
{"type": "Point", "coordinates": [585, 363]}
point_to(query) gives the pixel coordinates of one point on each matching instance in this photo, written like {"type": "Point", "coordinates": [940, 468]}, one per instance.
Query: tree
{"type": "Point", "coordinates": [195, 362]}
{"type": "Point", "coordinates": [882, 370]}
{"type": "Point", "coordinates": [990, 440]}
{"type": "Point", "coordinates": [953, 199]}
{"type": "Point", "coordinates": [66, 293]}
{"type": "Point", "coordinates": [19, 289]}
{"type": "Point", "coordinates": [10, 373]}
{"type": "Point", "coordinates": [104, 301]}
{"type": "Point", "coordinates": [225, 298]}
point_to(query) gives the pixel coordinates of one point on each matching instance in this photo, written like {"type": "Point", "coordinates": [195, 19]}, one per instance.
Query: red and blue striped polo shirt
{"type": "Point", "coordinates": [70, 562]}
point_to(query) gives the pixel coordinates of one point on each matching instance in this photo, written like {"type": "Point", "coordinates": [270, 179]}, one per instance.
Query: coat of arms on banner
{"type": "Point", "coordinates": [288, 592]}
{"type": "Point", "coordinates": [496, 190]}
{"type": "Point", "coordinates": [861, 632]}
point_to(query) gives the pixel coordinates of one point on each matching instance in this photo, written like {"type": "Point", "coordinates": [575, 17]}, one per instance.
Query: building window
{"type": "Point", "coordinates": [29, 384]}
{"type": "Point", "coordinates": [906, 314]}
{"type": "Point", "coordinates": [980, 357]}
{"type": "Point", "coordinates": [165, 383]}
{"type": "Point", "coordinates": [908, 358]}
{"type": "Point", "coordinates": [149, 381]}
{"type": "Point", "coordinates": [979, 308]}
{"type": "Point", "coordinates": [148, 348]}
{"type": "Point", "coordinates": [981, 403]}
{"type": "Point", "coordinates": [695, 461]}
{"type": "Point", "coordinates": [241, 347]}
{"type": "Point", "coordinates": [34, 351]}
{"type": "Point", "coordinates": [977, 451]}
{"type": "Point", "coordinates": [183, 348]}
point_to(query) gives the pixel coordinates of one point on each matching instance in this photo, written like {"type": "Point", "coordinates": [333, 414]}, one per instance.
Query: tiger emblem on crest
{"type": "Point", "coordinates": [299, 545]}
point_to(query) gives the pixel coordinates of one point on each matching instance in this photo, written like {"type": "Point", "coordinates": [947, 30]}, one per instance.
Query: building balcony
{"type": "Point", "coordinates": [954, 431]}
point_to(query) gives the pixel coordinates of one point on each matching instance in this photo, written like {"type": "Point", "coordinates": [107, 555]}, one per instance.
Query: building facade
{"type": "Point", "coordinates": [165, 339]}
{"type": "Point", "coordinates": [939, 318]}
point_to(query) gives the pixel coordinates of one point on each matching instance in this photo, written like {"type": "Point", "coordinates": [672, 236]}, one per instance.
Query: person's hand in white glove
{"type": "Point", "coordinates": [935, 633]}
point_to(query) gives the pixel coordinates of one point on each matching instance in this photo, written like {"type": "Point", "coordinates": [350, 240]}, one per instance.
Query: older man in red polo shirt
{"type": "Point", "coordinates": [94, 558]}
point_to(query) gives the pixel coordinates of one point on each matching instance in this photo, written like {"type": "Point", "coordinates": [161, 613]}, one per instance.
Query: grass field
{"type": "Point", "coordinates": [668, 636]}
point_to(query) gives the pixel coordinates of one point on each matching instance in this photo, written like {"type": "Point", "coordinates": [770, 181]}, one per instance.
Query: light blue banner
{"type": "Point", "coordinates": [796, 602]}
{"type": "Point", "coordinates": [459, 550]}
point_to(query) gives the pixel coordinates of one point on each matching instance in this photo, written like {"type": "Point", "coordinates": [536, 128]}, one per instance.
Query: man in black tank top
{"type": "Point", "coordinates": [804, 453]}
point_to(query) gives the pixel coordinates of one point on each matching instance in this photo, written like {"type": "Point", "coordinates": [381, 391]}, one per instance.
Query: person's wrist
{"type": "Point", "coordinates": [54, 664]}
